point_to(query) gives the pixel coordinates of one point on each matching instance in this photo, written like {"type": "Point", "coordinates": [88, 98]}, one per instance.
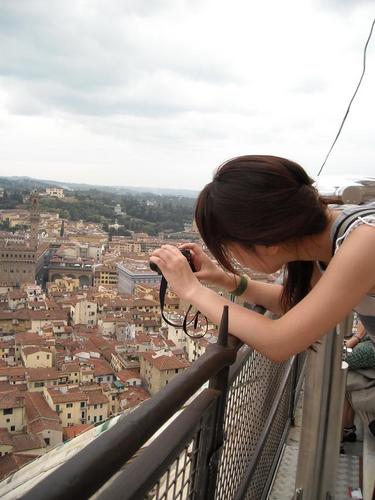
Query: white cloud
{"type": "Point", "coordinates": [159, 93]}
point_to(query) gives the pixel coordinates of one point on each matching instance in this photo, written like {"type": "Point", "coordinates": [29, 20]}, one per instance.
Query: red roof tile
{"type": "Point", "coordinates": [12, 463]}
{"type": "Point", "coordinates": [163, 362]}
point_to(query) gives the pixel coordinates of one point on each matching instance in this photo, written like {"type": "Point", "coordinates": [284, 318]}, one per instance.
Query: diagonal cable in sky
{"type": "Point", "coordinates": [352, 99]}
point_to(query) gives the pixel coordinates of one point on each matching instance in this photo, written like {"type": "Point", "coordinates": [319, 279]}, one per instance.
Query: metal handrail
{"type": "Point", "coordinates": [203, 430]}
{"type": "Point", "coordinates": [155, 458]}
{"type": "Point", "coordinates": [89, 469]}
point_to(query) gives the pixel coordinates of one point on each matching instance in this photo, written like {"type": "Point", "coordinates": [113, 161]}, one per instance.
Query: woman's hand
{"type": "Point", "coordinates": [206, 270]}
{"type": "Point", "coordinates": [176, 270]}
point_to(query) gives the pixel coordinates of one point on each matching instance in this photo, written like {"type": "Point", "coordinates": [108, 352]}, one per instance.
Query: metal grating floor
{"type": "Point", "coordinates": [283, 487]}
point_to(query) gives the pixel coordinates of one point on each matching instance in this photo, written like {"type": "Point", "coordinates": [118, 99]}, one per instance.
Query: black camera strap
{"type": "Point", "coordinates": [186, 323]}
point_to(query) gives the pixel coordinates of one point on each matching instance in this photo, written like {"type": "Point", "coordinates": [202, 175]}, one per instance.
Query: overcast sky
{"type": "Point", "coordinates": [160, 92]}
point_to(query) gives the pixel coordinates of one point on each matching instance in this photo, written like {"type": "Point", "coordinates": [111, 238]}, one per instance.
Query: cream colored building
{"type": "Point", "coordinates": [12, 411]}
{"type": "Point", "coordinates": [98, 407]}
{"type": "Point", "coordinates": [124, 246]}
{"type": "Point", "coordinates": [42, 420]}
{"type": "Point", "coordinates": [7, 351]}
{"type": "Point", "coordinates": [55, 192]}
{"type": "Point", "coordinates": [25, 443]}
{"type": "Point", "coordinates": [38, 379]}
{"type": "Point", "coordinates": [66, 284]}
{"type": "Point", "coordinates": [177, 335]}
{"type": "Point", "coordinates": [197, 347]}
{"type": "Point", "coordinates": [158, 369]}
{"type": "Point", "coordinates": [85, 313]}
{"type": "Point", "coordinates": [106, 275]}
{"type": "Point", "coordinates": [70, 405]}
{"type": "Point", "coordinates": [36, 357]}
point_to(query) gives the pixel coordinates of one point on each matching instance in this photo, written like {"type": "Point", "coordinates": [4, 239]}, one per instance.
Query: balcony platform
{"type": "Point", "coordinates": [283, 487]}
{"type": "Point", "coordinates": [348, 475]}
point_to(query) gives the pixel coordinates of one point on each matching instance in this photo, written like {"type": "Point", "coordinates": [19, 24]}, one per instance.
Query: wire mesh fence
{"type": "Point", "coordinates": [250, 398]}
{"type": "Point", "coordinates": [220, 443]}
{"type": "Point", "coordinates": [178, 480]}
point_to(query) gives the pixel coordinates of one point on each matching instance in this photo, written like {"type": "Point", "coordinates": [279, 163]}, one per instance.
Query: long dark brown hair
{"type": "Point", "coordinates": [261, 200]}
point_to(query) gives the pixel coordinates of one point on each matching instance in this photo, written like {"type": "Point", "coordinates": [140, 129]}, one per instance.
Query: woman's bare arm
{"type": "Point", "coordinates": [348, 278]}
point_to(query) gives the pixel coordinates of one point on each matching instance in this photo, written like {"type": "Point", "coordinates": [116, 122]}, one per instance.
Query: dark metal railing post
{"type": "Point", "coordinates": [213, 437]}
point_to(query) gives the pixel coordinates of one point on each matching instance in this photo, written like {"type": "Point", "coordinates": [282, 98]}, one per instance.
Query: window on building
{"type": "Point", "coordinates": [8, 411]}
{"type": "Point", "coordinates": [69, 415]}
{"type": "Point", "coordinates": [95, 407]}
{"type": "Point", "coordinates": [82, 404]}
{"type": "Point", "coordinates": [69, 405]}
{"type": "Point", "coordinates": [57, 407]}
{"type": "Point", "coordinates": [47, 441]}
{"type": "Point", "coordinates": [12, 428]}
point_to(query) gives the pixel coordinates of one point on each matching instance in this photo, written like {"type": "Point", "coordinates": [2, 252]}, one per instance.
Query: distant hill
{"type": "Point", "coordinates": [31, 183]}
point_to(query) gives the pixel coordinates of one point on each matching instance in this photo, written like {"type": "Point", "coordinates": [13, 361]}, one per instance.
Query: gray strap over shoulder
{"type": "Point", "coordinates": [347, 221]}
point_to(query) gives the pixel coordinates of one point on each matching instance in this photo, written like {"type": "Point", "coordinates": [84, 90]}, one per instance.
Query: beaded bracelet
{"type": "Point", "coordinates": [241, 287]}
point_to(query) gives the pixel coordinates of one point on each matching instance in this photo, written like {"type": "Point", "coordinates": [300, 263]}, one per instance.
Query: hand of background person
{"type": "Point", "coordinates": [356, 338]}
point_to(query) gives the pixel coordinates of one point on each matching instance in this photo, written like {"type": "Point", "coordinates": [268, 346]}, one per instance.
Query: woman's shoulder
{"type": "Point", "coordinates": [354, 219]}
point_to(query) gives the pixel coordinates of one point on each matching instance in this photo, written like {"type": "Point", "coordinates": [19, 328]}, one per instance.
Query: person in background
{"type": "Point", "coordinates": [361, 361]}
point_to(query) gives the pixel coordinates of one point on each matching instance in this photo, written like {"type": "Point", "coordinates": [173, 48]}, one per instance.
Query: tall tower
{"type": "Point", "coordinates": [34, 220]}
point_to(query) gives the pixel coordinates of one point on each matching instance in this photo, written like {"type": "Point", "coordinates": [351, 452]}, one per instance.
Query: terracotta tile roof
{"type": "Point", "coordinates": [101, 367]}
{"type": "Point", "coordinates": [17, 294]}
{"type": "Point", "coordinates": [71, 396]}
{"type": "Point", "coordinates": [57, 314]}
{"type": "Point", "coordinates": [127, 374]}
{"type": "Point", "coordinates": [35, 374]}
{"type": "Point", "coordinates": [5, 437]}
{"type": "Point", "coordinates": [74, 430]}
{"type": "Point", "coordinates": [37, 407]}
{"type": "Point", "coordinates": [13, 373]}
{"type": "Point", "coordinates": [70, 367]}
{"type": "Point", "coordinates": [134, 396]}
{"type": "Point", "coordinates": [32, 350]}
{"type": "Point", "coordinates": [12, 400]}
{"type": "Point", "coordinates": [25, 442]}
{"type": "Point", "coordinates": [44, 424]}
{"type": "Point", "coordinates": [163, 362]}
{"type": "Point", "coordinates": [29, 338]}
{"type": "Point", "coordinates": [7, 387]}
{"type": "Point", "coordinates": [96, 397]}
{"type": "Point", "coordinates": [12, 463]}
{"type": "Point", "coordinates": [142, 338]}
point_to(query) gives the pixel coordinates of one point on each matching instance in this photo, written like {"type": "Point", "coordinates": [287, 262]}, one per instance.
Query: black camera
{"type": "Point", "coordinates": [185, 252]}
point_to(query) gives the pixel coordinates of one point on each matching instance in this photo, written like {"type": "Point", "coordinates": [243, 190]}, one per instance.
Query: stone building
{"type": "Point", "coordinates": [19, 261]}
{"type": "Point", "coordinates": [158, 369]}
{"type": "Point", "coordinates": [132, 272]}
